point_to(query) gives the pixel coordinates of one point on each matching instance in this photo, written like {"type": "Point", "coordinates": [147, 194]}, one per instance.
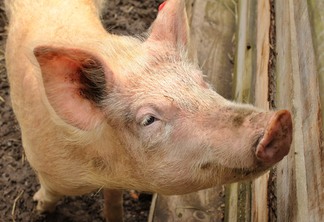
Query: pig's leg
{"type": "Point", "coordinates": [46, 200]}
{"type": "Point", "coordinates": [113, 205]}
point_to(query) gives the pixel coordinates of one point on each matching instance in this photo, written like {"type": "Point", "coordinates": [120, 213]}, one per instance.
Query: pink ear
{"type": "Point", "coordinates": [75, 84]}
{"type": "Point", "coordinates": [171, 24]}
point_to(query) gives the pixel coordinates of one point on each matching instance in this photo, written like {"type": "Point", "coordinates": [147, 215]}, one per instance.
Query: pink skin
{"type": "Point", "coordinates": [276, 140]}
{"type": "Point", "coordinates": [104, 111]}
{"type": "Point", "coordinates": [162, 6]}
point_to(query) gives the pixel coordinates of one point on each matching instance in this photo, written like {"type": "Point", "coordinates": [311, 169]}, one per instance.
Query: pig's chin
{"type": "Point", "coordinates": [248, 173]}
{"type": "Point", "coordinates": [241, 174]}
{"type": "Point", "coordinates": [244, 167]}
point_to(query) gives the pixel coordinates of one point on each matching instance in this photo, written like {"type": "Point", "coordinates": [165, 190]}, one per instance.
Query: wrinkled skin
{"type": "Point", "coordinates": [104, 111]}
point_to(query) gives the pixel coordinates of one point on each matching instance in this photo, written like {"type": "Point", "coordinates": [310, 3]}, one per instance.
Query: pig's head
{"type": "Point", "coordinates": [160, 124]}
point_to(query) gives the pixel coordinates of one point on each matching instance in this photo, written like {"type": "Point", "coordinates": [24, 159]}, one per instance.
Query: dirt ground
{"type": "Point", "coordinates": [17, 181]}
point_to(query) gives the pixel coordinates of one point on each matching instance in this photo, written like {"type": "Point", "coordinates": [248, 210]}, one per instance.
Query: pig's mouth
{"type": "Point", "coordinates": [235, 174]}
{"type": "Point", "coordinates": [251, 172]}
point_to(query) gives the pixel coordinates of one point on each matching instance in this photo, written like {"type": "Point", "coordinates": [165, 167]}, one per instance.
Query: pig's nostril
{"type": "Point", "coordinates": [275, 143]}
{"type": "Point", "coordinates": [257, 142]}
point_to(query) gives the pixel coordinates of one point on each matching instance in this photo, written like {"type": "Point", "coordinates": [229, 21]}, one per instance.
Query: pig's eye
{"type": "Point", "coordinates": [148, 120]}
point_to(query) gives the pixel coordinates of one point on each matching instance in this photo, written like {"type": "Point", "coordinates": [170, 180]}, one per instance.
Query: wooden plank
{"type": "Point", "coordinates": [260, 185]}
{"type": "Point", "coordinates": [212, 31]}
{"type": "Point", "coordinates": [238, 202]}
{"type": "Point", "coordinates": [238, 208]}
{"type": "Point", "coordinates": [316, 8]}
{"type": "Point", "coordinates": [300, 177]}
{"type": "Point", "coordinates": [251, 85]}
{"type": "Point", "coordinates": [286, 188]}
{"type": "Point", "coordinates": [243, 56]}
{"type": "Point", "coordinates": [310, 109]}
{"type": "Point", "coordinates": [232, 197]}
{"type": "Point", "coordinates": [212, 25]}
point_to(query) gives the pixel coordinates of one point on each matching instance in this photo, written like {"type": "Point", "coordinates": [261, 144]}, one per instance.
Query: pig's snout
{"type": "Point", "coordinates": [275, 143]}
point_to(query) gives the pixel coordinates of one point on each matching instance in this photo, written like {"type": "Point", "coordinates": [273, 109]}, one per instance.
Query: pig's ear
{"type": "Point", "coordinates": [75, 84]}
{"type": "Point", "coordinates": [171, 24]}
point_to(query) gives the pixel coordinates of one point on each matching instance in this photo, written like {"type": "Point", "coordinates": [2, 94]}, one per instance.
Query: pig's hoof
{"type": "Point", "coordinates": [276, 141]}
{"type": "Point", "coordinates": [44, 205]}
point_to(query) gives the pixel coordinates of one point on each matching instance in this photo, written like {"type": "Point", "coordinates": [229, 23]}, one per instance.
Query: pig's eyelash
{"type": "Point", "coordinates": [148, 120]}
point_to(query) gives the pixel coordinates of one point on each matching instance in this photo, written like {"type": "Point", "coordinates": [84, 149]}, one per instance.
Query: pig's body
{"type": "Point", "coordinates": [55, 149]}
{"type": "Point", "coordinates": [102, 111]}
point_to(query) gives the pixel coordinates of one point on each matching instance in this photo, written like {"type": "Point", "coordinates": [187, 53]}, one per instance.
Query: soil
{"type": "Point", "coordinates": [18, 182]}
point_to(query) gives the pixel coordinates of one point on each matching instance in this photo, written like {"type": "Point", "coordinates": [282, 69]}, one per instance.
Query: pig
{"type": "Point", "coordinates": [101, 111]}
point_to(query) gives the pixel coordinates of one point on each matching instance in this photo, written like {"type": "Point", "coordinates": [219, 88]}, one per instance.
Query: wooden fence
{"type": "Point", "coordinates": [269, 53]}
